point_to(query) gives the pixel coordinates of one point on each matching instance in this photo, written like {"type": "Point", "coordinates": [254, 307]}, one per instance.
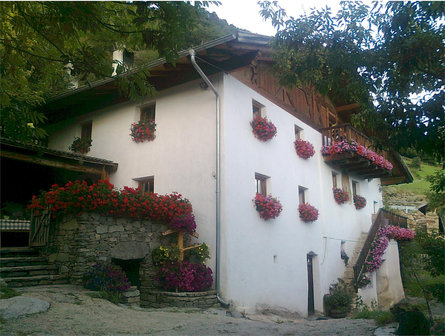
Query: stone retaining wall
{"type": "Point", "coordinates": [80, 242]}
{"type": "Point", "coordinates": [160, 299]}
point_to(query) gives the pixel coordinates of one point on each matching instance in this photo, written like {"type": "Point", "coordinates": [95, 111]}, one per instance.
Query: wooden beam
{"type": "Point", "coordinates": [52, 163]}
{"type": "Point", "coordinates": [347, 107]}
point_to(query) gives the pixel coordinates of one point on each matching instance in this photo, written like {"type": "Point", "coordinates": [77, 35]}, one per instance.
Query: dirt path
{"type": "Point", "coordinates": [73, 312]}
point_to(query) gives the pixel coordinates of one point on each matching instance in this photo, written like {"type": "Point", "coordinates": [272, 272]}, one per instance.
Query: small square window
{"type": "Point", "coordinates": [302, 194]}
{"type": "Point", "coordinates": [257, 109]}
{"type": "Point", "coordinates": [261, 184]}
{"type": "Point", "coordinates": [86, 131]}
{"type": "Point", "coordinates": [298, 132]}
{"type": "Point", "coordinates": [148, 113]}
{"type": "Point", "coordinates": [334, 180]}
{"type": "Point", "coordinates": [146, 184]}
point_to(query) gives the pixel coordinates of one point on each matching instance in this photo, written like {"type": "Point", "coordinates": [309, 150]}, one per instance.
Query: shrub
{"type": "Point", "coordinates": [106, 277]}
{"type": "Point", "coordinates": [164, 254]}
{"type": "Point", "coordinates": [435, 288]}
{"type": "Point", "coordinates": [185, 276]}
{"type": "Point", "coordinates": [416, 163]}
{"type": "Point", "coordinates": [198, 255]}
{"type": "Point", "coordinates": [380, 317]}
{"type": "Point", "coordinates": [339, 298]}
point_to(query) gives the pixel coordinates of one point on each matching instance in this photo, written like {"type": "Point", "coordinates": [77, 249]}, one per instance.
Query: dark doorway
{"type": "Point", "coordinates": [310, 280]}
{"type": "Point", "coordinates": [131, 269]}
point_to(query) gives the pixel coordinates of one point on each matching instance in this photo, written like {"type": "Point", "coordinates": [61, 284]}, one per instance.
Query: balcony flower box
{"type": "Point", "coordinates": [340, 196]}
{"type": "Point", "coordinates": [359, 202]}
{"type": "Point", "coordinates": [143, 131]}
{"type": "Point", "coordinates": [80, 145]}
{"type": "Point", "coordinates": [353, 148]}
{"type": "Point", "coordinates": [304, 149]}
{"type": "Point", "coordinates": [308, 213]}
{"type": "Point", "coordinates": [263, 129]}
{"type": "Point", "coordinates": [267, 206]}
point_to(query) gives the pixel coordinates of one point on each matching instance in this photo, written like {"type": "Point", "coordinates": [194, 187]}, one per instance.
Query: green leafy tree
{"type": "Point", "coordinates": [38, 39]}
{"type": "Point", "coordinates": [379, 57]}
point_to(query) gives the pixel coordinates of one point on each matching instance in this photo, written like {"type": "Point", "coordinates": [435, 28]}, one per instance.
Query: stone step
{"type": "Point", "coordinates": [22, 271]}
{"type": "Point", "coordinates": [22, 261]}
{"type": "Point", "coordinates": [36, 280]}
{"type": "Point", "coordinates": [6, 252]}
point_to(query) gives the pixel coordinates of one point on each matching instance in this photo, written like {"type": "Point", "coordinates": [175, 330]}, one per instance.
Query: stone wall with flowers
{"type": "Point", "coordinates": [80, 242]}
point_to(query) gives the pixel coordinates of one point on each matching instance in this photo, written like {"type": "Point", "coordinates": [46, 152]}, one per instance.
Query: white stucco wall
{"type": "Point", "coordinates": [389, 281]}
{"type": "Point", "coordinates": [181, 158]}
{"type": "Point", "coordinates": [264, 262]}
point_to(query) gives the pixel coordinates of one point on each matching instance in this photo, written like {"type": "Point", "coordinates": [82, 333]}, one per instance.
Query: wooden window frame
{"type": "Point", "coordinates": [148, 181]}
{"type": "Point", "coordinates": [86, 130]}
{"type": "Point", "coordinates": [298, 132]}
{"type": "Point", "coordinates": [302, 194]}
{"type": "Point", "coordinates": [259, 107]}
{"type": "Point", "coordinates": [148, 113]}
{"type": "Point", "coordinates": [334, 180]}
{"type": "Point", "coordinates": [355, 188]}
{"type": "Point", "coordinates": [261, 183]}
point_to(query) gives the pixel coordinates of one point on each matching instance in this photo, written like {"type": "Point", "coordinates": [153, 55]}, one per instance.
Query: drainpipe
{"type": "Point", "coordinates": [218, 176]}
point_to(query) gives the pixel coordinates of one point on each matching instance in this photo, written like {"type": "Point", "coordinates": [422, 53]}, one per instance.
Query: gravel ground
{"type": "Point", "coordinates": [73, 312]}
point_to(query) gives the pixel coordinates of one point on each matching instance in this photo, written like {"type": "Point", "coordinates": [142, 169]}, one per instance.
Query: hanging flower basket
{"type": "Point", "coordinates": [304, 149]}
{"type": "Point", "coordinates": [340, 196]}
{"type": "Point", "coordinates": [267, 206]}
{"type": "Point", "coordinates": [143, 131]}
{"type": "Point", "coordinates": [359, 202]}
{"type": "Point", "coordinates": [308, 213]}
{"type": "Point", "coordinates": [400, 234]}
{"type": "Point", "coordinates": [81, 145]}
{"type": "Point", "coordinates": [263, 128]}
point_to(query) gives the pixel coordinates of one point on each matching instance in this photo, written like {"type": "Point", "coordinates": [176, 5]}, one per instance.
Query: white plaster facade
{"type": "Point", "coordinates": [262, 262]}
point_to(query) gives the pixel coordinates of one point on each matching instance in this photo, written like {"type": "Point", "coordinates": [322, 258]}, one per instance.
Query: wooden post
{"type": "Point", "coordinates": [181, 245]}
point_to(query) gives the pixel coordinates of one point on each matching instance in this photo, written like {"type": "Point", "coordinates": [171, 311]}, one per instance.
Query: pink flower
{"type": "Point", "coordinates": [304, 149]}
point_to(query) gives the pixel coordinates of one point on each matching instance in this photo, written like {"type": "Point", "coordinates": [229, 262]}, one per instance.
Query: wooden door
{"type": "Point", "coordinates": [310, 279]}
{"type": "Point", "coordinates": [39, 231]}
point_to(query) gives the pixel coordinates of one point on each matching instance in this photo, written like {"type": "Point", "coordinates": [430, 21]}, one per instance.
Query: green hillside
{"type": "Point", "coordinates": [420, 185]}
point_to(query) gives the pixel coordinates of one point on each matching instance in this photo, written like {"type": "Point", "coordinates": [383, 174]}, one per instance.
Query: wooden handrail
{"type": "Point", "coordinates": [384, 217]}
{"type": "Point", "coordinates": [347, 132]}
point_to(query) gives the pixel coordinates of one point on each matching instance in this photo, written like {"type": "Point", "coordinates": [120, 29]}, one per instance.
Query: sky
{"type": "Point", "coordinates": [245, 13]}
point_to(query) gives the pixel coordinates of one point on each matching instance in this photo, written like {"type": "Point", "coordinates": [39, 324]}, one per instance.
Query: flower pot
{"type": "Point", "coordinates": [337, 313]}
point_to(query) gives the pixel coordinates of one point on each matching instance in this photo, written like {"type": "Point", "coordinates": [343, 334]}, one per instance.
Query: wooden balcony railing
{"type": "Point", "coordinates": [351, 162]}
{"type": "Point", "coordinates": [384, 217]}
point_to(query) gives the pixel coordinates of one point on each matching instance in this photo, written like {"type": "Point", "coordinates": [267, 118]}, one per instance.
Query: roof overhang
{"type": "Point", "coordinates": [39, 155]}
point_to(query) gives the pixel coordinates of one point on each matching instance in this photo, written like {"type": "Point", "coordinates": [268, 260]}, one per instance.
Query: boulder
{"type": "Point", "coordinates": [22, 305]}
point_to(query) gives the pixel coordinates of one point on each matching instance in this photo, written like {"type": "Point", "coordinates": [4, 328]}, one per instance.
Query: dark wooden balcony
{"type": "Point", "coordinates": [350, 161]}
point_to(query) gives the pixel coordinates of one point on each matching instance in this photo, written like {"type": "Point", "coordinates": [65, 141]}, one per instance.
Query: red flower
{"type": "Point", "coordinates": [308, 213]}
{"type": "Point", "coordinates": [340, 195]}
{"type": "Point", "coordinates": [263, 128]}
{"type": "Point", "coordinates": [143, 131]}
{"type": "Point", "coordinates": [359, 202]}
{"type": "Point", "coordinates": [304, 149]}
{"type": "Point", "coordinates": [267, 206]}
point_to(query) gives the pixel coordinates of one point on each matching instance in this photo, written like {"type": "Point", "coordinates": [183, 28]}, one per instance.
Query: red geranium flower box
{"type": "Point", "coordinates": [263, 128]}
{"type": "Point", "coordinates": [359, 202]}
{"type": "Point", "coordinates": [143, 131]}
{"type": "Point", "coordinates": [340, 196]}
{"type": "Point", "coordinates": [267, 206]}
{"type": "Point", "coordinates": [308, 213]}
{"type": "Point", "coordinates": [304, 149]}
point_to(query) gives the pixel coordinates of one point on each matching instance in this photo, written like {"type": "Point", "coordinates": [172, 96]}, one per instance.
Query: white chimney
{"type": "Point", "coordinates": [118, 59]}
{"type": "Point", "coordinates": [69, 68]}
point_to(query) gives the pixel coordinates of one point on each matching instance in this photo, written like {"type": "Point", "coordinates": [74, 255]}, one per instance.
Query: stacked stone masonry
{"type": "Point", "coordinates": [160, 299]}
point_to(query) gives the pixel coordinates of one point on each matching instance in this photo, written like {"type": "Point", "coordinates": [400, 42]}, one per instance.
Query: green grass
{"type": "Point", "coordinates": [6, 292]}
{"type": "Point", "coordinates": [381, 317]}
{"type": "Point", "coordinates": [420, 185]}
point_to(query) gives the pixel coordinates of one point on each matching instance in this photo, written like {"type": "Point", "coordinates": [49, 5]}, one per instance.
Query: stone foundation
{"type": "Point", "coordinates": [161, 299]}
{"type": "Point", "coordinates": [131, 296]}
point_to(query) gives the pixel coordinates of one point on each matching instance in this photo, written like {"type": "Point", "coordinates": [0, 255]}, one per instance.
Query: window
{"type": "Point", "coordinates": [298, 132]}
{"type": "Point", "coordinates": [334, 180]}
{"type": "Point", "coordinates": [146, 184]}
{"type": "Point", "coordinates": [257, 109]}
{"type": "Point", "coordinates": [148, 113]}
{"type": "Point", "coordinates": [354, 188]}
{"type": "Point", "coordinates": [86, 130]}
{"type": "Point", "coordinates": [261, 185]}
{"type": "Point", "coordinates": [302, 194]}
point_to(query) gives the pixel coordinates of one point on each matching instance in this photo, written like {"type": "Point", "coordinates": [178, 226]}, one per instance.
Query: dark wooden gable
{"type": "Point", "coordinates": [303, 103]}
